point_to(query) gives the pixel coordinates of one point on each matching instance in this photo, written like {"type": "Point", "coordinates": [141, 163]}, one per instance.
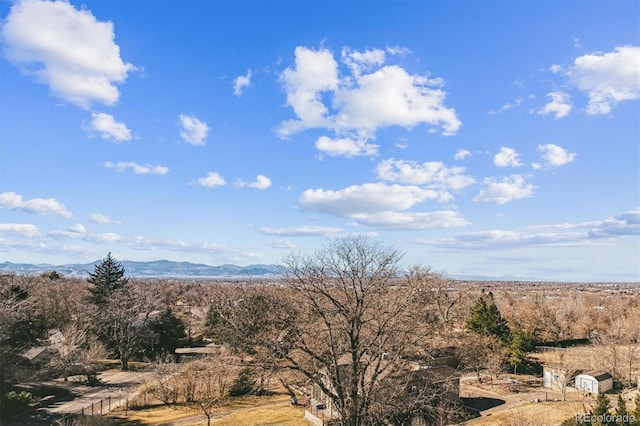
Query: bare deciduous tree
{"type": "Point", "coordinates": [358, 318]}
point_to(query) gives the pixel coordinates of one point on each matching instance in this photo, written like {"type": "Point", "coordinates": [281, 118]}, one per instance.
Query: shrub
{"type": "Point", "coordinates": [15, 403]}
{"type": "Point", "coordinates": [244, 384]}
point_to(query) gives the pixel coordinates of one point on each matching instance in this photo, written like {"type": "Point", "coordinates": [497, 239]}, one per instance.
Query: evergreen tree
{"type": "Point", "coordinates": [107, 278]}
{"type": "Point", "coordinates": [621, 412]}
{"type": "Point", "coordinates": [600, 409]}
{"type": "Point", "coordinates": [169, 331]}
{"type": "Point", "coordinates": [636, 412]}
{"type": "Point", "coordinates": [486, 319]}
{"type": "Point", "coordinates": [520, 344]}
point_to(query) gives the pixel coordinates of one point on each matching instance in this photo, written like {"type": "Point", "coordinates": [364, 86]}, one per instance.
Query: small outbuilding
{"type": "Point", "coordinates": [594, 382]}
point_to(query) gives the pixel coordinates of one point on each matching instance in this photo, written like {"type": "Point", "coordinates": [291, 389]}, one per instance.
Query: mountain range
{"type": "Point", "coordinates": [152, 269]}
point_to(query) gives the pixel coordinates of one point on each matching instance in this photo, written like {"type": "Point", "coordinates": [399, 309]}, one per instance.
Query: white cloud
{"type": "Point", "coordinates": [211, 179]}
{"type": "Point", "coordinates": [193, 130]}
{"type": "Point", "coordinates": [411, 220]}
{"type": "Point", "coordinates": [109, 128]}
{"type": "Point", "coordinates": [555, 155]}
{"type": "Point", "coordinates": [625, 224]}
{"type": "Point", "coordinates": [365, 97]}
{"type": "Point", "coordinates": [508, 189]}
{"type": "Point", "coordinates": [107, 237]}
{"type": "Point", "coordinates": [559, 104]}
{"type": "Point", "coordinates": [461, 154]}
{"type": "Point", "coordinates": [432, 173]}
{"type": "Point", "coordinates": [281, 244]}
{"type": "Point", "coordinates": [78, 228]}
{"type": "Point", "coordinates": [43, 206]}
{"type": "Point", "coordinates": [391, 96]}
{"type": "Point", "coordinates": [241, 82]}
{"type": "Point", "coordinates": [607, 78]}
{"type": "Point", "coordinates": [302, 231]}
{"type": "Point", "coordinates": [102, 219]}
{"type": "Point", "coordinates": [67, 49]}
{"type": "Point", "coordinates": [346, 147]}
{"type": "Point", "coordinates": [507, 157]}
{"type": "Point", "coordinates": [315, 72]}
{"type": "Point", "coordinates": [368, 198]}
{"type": "Point", "coordinates": [362, 61]}
{"type": "Point", "coordinates": [262, 182]}
{"type": "Point", "coordinates": [137, 168]}
{"type": "Point", "coordinates": [23, 229]}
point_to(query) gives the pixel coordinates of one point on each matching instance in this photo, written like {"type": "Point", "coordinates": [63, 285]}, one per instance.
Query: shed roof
{"type": "Point", "coordinates": [598, 375]}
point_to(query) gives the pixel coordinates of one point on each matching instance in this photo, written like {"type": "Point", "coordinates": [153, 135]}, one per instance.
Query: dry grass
{"type": "Point", "coordinates": [245, 411]}
{"type": "Point", "coordinates": [157, 415]}
{"type": "Point", "coordinates": [532, 414]}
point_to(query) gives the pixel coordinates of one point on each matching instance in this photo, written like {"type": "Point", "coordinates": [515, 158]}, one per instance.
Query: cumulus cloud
{"type": "Point", "coordinates": [78, 228]}
{"type": "Point", "coordinates": [102, 219]}
{"type": "Point", "coordinates": [555, 155]}
{"type": "Point", "coordinates": [302, 231]}
{"type": "Point", "coordinates": [359, 96]}
{"type": "Point", "coordinates": [359, 62]}
{"type": "Point", "coordinates": [42, 206]}
{"type": "Point", "coordinates": [262, 182]}
{"type": "Point", "coordinates": [381, 205]}
{"type": "Point", "coordinates": [507, 157]}
{"type": "Point", "coordinates": [502, 191]}
{"type": "Point", "coordinates": [109, 128]}
{"type": "Point", "coordinates": [559, 104]}
{"type": "Point", "coordinates": [461, 154]}
{"type": "Point", "coordinates": [627, 223]}
{"type": "Point", "coordinates": [413, 220]}
{"type": "Point", "coordinates": [137, 168]}
{"type": "Point", "coordinates": [346, 147]}
{"type": "Point", "coordinates": [193, 131]}
{"type": "Point", "coordinates": [22, 229]}
{"type": "Point", "coordinates": [432, 173]}
{"type": "Point", "coordinates": [367, 198]}
{"type": "Point", "coordinates": [241, 82]}
{"type": "Point", "coordinates": [211, 179]}
{"type": "Point", "coordinates": [315, 72]}
{"type": "Point", "coordinates": [607, 78]}
{"type": "Point", "coordinates": [67, 49]}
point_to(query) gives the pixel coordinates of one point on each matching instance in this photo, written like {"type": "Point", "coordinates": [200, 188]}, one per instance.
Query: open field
{"type": "Point", "coordinates": [246, 411]}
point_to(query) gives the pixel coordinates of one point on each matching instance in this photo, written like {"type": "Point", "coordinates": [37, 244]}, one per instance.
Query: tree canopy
{"type": "Point", "coordinates": [486, 319]}
{"type": "Point", "coordinates": [107, 278]}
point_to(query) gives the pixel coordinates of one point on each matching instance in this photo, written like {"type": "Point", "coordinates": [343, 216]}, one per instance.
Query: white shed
{"type": "Point", "coordinates": [594, 382]}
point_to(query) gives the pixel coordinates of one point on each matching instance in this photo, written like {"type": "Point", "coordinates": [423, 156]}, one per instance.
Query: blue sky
{"type": "Point", "coordinates": [484, 139]}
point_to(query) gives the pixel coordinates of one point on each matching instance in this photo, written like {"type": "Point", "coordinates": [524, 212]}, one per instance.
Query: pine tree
{"type": "Point", "coordinates": [107, 278]}
{"type": "Point", "coordinates": [520, 344]}
{"type": "Point", "coordinates": [601, 408]}
{"type": "Point", "coordinates": [621, 412]}
{"type": "Point", "coordinates": [486, 319]}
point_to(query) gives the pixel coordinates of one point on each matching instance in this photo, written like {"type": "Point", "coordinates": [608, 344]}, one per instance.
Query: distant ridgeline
{"type": "Point", "coordinates": [153, 269]}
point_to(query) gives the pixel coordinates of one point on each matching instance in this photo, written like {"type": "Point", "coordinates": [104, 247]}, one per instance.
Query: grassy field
{"type": "Point", "coordinates": [245, 411]}
{"type": "Point", "coordinates": [533, 414]}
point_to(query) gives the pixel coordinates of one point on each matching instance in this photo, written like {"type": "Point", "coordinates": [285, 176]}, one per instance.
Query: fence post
{"type": "Point", "coordinates": [101, 406]}
{"type": "Point", "coordinates": [92, 408]}
{"type": "Point", "coordinates": [109, 404]}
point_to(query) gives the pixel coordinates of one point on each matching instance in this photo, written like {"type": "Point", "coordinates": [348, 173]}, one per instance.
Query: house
{"type": "Point", "coordinates": [439, 367]}
{"type": "Point", "coordinates": [594, 382]}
